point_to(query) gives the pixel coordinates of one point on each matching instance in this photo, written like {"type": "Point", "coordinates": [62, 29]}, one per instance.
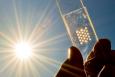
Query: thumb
{"type": "Point", "coordinates": [74, 56]}
{"type": "Point", "coordinates": [73, 66]}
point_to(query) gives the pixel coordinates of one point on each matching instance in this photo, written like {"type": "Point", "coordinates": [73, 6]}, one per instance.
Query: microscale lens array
{"type": "Point", "coordinates": [83, 35]}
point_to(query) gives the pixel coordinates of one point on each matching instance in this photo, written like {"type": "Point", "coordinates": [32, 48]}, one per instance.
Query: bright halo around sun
{"type": "Point", "coordinates": [23, 50]}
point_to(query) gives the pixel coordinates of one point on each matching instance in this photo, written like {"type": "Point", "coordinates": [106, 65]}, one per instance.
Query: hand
{"type": "Point", "coordinates": [73, 66]}
{"type": "Point", "coordinates": [98, 57]}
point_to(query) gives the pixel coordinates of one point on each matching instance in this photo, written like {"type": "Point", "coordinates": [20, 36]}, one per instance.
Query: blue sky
{"type": "Point", "coordinates": [40, 22]}
{"type": "Point", "coordinates": [102, 14]}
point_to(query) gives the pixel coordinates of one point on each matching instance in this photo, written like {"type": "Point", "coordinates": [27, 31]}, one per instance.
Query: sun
{"type": "Point", "coordinates": [23, 50]}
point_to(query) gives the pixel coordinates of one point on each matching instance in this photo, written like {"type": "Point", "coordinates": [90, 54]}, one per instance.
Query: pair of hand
{"type": "Point", "coordinates": [99, 62]}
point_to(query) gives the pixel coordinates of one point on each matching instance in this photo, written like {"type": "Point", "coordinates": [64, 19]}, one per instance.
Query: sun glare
{"type": "Point", "coordinates": [23, 50]}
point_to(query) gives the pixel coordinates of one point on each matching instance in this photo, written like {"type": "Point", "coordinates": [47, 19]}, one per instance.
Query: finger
{"type": "Point", "coordinates": [75, 55]}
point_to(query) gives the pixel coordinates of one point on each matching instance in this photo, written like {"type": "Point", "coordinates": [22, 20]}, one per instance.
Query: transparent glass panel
{"type": "Point", "coordinates": [78, 25]}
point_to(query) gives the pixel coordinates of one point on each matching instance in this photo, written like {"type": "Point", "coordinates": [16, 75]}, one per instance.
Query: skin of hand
{"type": "Point", "coordinates": [73, 66]}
